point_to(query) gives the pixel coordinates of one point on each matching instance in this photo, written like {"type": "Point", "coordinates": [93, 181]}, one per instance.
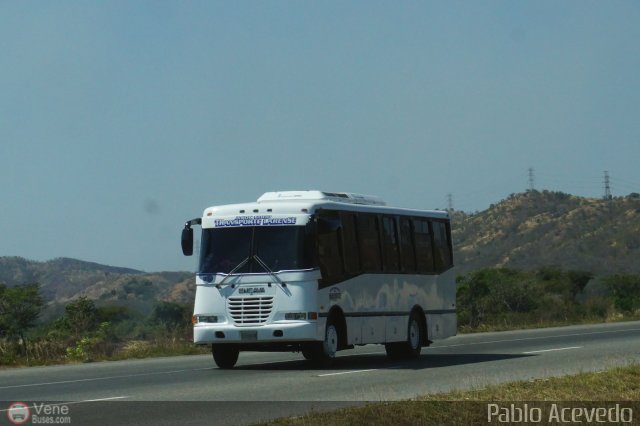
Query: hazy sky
{"type": "Point", "coordinates": [119, 120]}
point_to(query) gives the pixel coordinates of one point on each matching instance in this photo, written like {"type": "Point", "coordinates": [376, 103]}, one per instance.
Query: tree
{"type": "Point", "coordinates": [471, 295]}
{"type": "Point", "coordinates": [626, 291]}
{"type": "Point", "coordinates": [20, 306]}
{"type": "Point", "coordinates": [579, 280]}
{"type": "Point", "coordinates": [114, 313]}
{"type": "Point", "coordinates": [491, 293]}
{"type": "Point", "coordinates": [170, 314]}
{"type": "Point", "coordinates": [80, 316]}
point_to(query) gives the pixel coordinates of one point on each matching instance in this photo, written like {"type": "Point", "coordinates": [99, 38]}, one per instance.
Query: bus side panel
{"type": "Point", "coordinates": [377, 306]}
{"type": "Point", "coordinates": [440, 326]}
{"type": "Point", "coordinates": [396, 328]}
{"type": "Point", "coordinates": [447, 322]}
{"type": "Point", "coordinates": [373, 329]}
{"type": "Point", "coordinates": [354, 330]}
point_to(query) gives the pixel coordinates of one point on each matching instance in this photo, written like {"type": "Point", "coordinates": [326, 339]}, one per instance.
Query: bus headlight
{"type": "Point", "coordinates": [197, 319]}
{"type": "Point", "coordinates": [301, 316]}
{"type": "Point", "coordinates": [295, 316]}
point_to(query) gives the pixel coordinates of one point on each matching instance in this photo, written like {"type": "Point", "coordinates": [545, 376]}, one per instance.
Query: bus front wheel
{"type": "Point", "coordinates": [225, 356]}
{"type": "Point", "coordinates": [324, 352]}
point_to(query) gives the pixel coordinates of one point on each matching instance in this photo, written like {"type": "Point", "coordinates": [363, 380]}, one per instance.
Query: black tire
{"type": "Point", "coordinates": [394, 351]}
{"type": "Point", "coordinates": [323, 353]}
{"type": "Point", "coordinates": [225, 356]}
{"type": "Point", "coordinates": [309, 352]}
{"type": "Point", "coordinates": [414, 337]}
{"type": "Point", "coordinates": [411, 348]}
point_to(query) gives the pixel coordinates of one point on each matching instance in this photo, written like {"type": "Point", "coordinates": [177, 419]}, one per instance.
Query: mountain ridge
{"type": "Point", "coordinates": [63, 279]}
{"type": "Point", "coordinates": [535, 229]}
{"type": "Point", "coordinates": [526, 230]}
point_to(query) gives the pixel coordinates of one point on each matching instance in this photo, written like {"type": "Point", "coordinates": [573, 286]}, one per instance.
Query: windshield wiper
{"type": "Point", "coordinates": [266, 268]}
{"type": "Point", "coordinates": [259, 262]}
{"type": "Point", "coordinates": [240, 265]}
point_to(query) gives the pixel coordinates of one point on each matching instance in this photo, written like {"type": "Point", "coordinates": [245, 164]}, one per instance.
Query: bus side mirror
{"type": "Point", "coordinates": [187, 241]}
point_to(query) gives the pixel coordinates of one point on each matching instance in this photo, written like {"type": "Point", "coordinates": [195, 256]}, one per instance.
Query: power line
{"type": "Point", "coordinates": [625, 184]}
{"type": "Point", "coordinates": [587, 185]}
{"type": "Point", "coordinates": [622, 187]}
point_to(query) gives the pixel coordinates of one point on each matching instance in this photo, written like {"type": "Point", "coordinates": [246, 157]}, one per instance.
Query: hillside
{"type": "Point", "coordinates": [64, 279]}
{"type": "Point", "coordinates": [535, 229]}
{"type": "Point", "coordinates": [527, 230]}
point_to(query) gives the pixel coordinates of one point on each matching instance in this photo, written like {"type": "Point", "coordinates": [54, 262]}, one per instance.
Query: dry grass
{"type": "Point", "coordinates": [156, 348]}
{"type": "Point", "coordinates": [470, 407]}
{"type": "Point", "coordinates": [529, 322]}
{"type": "Point", "coordinates": [52, 351]}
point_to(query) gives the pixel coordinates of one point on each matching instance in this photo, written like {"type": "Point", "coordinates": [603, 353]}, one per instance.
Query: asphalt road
{"type": "Point", "coordinates": [191, 390]}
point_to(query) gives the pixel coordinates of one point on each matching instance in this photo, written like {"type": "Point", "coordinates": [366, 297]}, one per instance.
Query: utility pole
{"type": "Point", "coordinates": [450, 202]}
{"type": "Point", "coordinates": [531, 180]}
{"type": "Point", "coordinates": [607, 186]}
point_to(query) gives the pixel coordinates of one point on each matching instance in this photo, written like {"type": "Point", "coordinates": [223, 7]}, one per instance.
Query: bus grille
{"type": "Point", "coordinates": [250, 310]}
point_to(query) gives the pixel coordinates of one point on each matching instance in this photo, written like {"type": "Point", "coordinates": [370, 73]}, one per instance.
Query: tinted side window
{"type": "Point", "coordinates": [350, 244]}
{"type": "Point", "coordinates": [407, 252]}
{"type": "Point", "coordinates": [442, 247]}
{"type": "Point", "coordinates": [390, 247]}
{"type": "Point", "coordinates": [369, 242]}
{"type": "Point", "coordinates": [329, 247]}
{"type": "Point", "coordinates": [424, 250]}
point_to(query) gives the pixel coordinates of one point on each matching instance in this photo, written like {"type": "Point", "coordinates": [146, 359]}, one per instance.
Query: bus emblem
{"type": "Point", "coordinates": [335, 293]}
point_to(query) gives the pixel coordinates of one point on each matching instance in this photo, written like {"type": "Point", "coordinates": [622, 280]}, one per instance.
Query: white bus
{"type": "Point", "coordinates": [319, 272]}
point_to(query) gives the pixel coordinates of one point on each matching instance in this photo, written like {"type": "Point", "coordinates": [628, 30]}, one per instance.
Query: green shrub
{"type": "Point", "coordinates": [625, 289]}
{"type": "Point", "coordinates": [507, 298]}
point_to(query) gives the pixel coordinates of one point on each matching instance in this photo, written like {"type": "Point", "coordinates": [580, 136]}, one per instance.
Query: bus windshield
{"type": "Point", "coordinates": [279, 247]}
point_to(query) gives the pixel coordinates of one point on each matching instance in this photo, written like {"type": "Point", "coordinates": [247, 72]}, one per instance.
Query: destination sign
{"type": "Point", "coordinates": [254, 221]}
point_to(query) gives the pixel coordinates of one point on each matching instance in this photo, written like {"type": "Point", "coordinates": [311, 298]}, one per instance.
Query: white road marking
{"type": "Point", "coordinates": [92, 379]}
{"type": "Point", "coordinates": [534, 338]}
{"type": "Point", "coordinates": [124, 376]}
{"type": "Point", "coordinates": [347, 372]}
{"type": "Point", "coordinates": [98, 399]}
{"type": "Point", "coordinates": [75, 402]}
{"type": "Point", "coordinates": [240, 365]}
{"type": "Point", "coordinates": [359, 354]}
{"type": "Point", "coordinates": [552, 350]}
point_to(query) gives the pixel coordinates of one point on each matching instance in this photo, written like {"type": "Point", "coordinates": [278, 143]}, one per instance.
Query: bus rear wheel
{"type": "Point", "coordinates": [225, 356]}
{"type": "Point", "coordinates": [409, 349]}
{"type": "Point", "coordinates": [414, 337]}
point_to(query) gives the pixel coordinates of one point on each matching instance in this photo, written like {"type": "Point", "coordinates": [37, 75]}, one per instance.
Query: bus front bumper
{"type": "Point", "coordinates": [300, 331]}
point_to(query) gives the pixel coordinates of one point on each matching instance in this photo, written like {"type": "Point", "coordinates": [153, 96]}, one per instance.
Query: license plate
{"type": "Point", "coordinates": [248, 336]}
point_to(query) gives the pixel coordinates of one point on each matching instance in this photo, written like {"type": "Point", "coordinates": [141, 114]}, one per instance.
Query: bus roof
{"type": "Point", "coordinates": [340, 197]}
{"type": "Point", "coordinates": [309, 202]}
